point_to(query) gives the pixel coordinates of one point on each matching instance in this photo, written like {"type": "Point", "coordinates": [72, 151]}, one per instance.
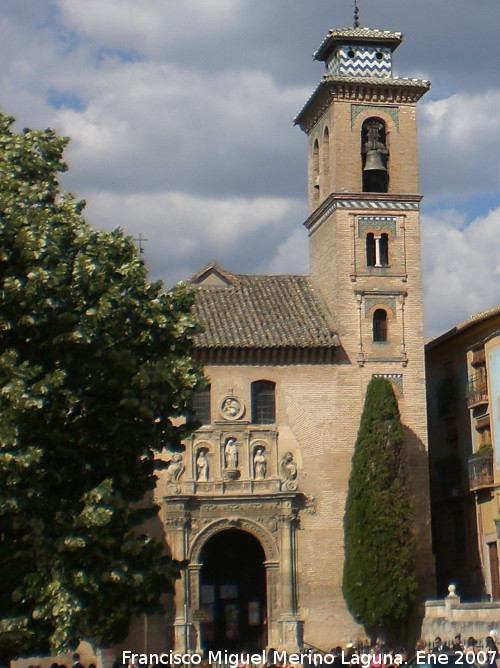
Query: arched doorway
{"type": "Point", "coordinates": [233, 592]}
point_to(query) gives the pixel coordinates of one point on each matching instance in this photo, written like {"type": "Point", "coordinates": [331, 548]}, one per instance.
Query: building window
{"type": "Point", "coordinates": [374, 152]}
{"type": "Point", "coordinates": [380, 325]}
{"type": "Point", "coordinates": [316, 166]}
{"type": "Point", "coordinates": [263, 402]}
{"type": "Point", "coordinates": [200, 406]}
{"type": "Point", "coordinates": [326, 159]}
{"type": "Point", "coordinates": [377, 250]}
{"type": "Point", "coordinates": [370, 249]}
{"type": "Point", "coordinates": [384, 250]}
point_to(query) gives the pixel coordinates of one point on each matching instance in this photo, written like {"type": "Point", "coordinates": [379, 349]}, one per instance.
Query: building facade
{"type": "Point", "coordinates": [463, 388]}
{"type": "Point", "coordinates": [256, 501]}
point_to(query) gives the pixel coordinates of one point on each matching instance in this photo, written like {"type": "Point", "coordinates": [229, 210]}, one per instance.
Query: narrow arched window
{"type": "Point", "coordinates": [370, 249]}
{"type": "Point", "coordinates": [374, 156]}
{"type": "Point", "coordinates": [315, 165]}
{"type": "Point", "coordinates": [380, 325]}
{"type": "Point", "coordinates": [200, 406]}
{"type": "Point", "coordinates": [263, 402]}
{"type": "Point", "coordinates": [384, 250]}
{"type": "Point", "coordinates": [326, 159]}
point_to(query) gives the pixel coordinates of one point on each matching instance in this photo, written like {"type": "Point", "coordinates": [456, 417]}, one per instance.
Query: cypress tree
{"type": "Point", "coordinates": [379, 580]}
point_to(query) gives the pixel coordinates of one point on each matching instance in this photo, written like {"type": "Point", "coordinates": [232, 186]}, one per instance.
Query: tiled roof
{"type": "Point", "coordinates": [356, 35]}
{"type": "Point", "coordinates": [251, 311]}
{"type": "Point", "coordinates": [377, 81]}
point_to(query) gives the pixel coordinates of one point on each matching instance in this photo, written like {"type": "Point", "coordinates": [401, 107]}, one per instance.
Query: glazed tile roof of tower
{"type": "Point", "coordinates": [253, 311]}
{"type": "Point", "coordinates": [358, 35]}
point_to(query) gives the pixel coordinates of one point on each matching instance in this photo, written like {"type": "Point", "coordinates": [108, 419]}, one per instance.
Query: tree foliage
{"type": "Point", "coordinates": [94, 366]}
{"type": "Point", "coordinates": [379, 581]}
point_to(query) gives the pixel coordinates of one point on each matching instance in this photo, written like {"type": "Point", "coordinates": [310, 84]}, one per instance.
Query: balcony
{"type": "Point", "coordinates": [481, 471]}
{"type": "Point", "coordinates": [477, 391]}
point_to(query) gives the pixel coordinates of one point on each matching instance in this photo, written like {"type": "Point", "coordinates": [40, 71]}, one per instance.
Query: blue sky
{"type": "Point", "coordinates": [181, 123]}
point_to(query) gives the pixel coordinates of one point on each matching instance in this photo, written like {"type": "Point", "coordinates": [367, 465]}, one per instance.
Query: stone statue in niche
{"type": "Point", "coordinates": [259, 464]}
{"type": "Point", "coordinates": [231, 454]}
{"type": "Point", "coordinates": [175, 472]}
{"type": "Point", "coordinates": [202, 466]}
{"type": "Point", "coordinates": [289, 471]}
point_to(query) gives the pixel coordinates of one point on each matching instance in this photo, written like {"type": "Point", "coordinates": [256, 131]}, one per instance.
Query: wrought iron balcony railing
{"type": "Point", "coordinates": [481, 471]}
{"type": "Point", "coordinates": [477, 392]}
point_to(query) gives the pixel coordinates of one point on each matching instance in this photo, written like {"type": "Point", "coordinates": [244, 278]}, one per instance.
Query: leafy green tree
{"type": "Point", "coordinates": [379, 580]}
{"type": "Point", "coordinates": [95, 366]}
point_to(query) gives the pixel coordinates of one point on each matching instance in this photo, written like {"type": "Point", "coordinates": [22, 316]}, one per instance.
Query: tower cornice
{"type": "Point", "coordinates": [362, 203]}
{"type": "Point", "coordinates": [368, 90]}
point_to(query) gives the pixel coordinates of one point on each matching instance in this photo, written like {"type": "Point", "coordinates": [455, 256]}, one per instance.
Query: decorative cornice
{"type": "Point", "coordinates": [367, 90]}
{"type": "Point", "coordinates": [395, 378]}
{"type": "Point", "coordinates": [361, 202]}
{"type": "Point", "coordinates": [391, 110]}
{"type": "Point", "coordinates": [264, 356]}
{"type": "Point", "coordinates": [378, 223]}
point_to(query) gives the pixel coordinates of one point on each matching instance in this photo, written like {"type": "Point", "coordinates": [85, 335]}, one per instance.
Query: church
{"type": "Point", "coordinates": [255, 503]}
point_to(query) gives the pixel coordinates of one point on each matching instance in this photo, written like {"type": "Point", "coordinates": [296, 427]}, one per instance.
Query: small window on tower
{"type": "Point", "coordinates": [380, 325]}
{"type": "Point", "coordinates": [377, 250]}
{"type": "Point", "coordinates": [315, 165]}
{"type": "Point", "coordinates": [384, 250]}
{"type": "Point", "coordinates": [370, 249]}
{"type": "Point", "coordinates": [374, 153]}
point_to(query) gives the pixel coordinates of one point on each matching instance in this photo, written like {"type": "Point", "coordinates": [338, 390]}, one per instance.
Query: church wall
{"type": "Point", "coordinates": [318, 412]}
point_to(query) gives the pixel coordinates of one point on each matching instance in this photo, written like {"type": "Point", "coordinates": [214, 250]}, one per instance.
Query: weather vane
{"type": "Point", "coordinates": [356, 14]}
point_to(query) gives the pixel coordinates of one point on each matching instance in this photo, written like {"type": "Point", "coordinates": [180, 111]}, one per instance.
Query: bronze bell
{"type": "Point", "coordinates": [374, 161]}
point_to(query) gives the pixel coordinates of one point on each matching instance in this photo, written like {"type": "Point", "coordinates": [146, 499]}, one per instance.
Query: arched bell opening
{"type": "Point", "coordinates": [374, 154]}
{"type": "Point", "coordinates": [232, 591]}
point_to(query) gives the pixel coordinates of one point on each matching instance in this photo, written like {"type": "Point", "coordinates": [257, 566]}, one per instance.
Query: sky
{"type": "Point", "coordinates": [180, 115]}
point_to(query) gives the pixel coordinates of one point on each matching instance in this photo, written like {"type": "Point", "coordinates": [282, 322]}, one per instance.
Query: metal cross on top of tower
{"type": "Point", "coordinates": [356, 14]}
{"type": "Point", "coordinates": [140, 240]}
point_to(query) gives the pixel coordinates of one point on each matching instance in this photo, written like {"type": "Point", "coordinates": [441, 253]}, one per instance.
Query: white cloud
{"type": "Point", "coordinates": [461, 265]}
{"type": "Point", "coordinates": [185, 232]}
{"type": "Point", "coordinates": [460, 145]}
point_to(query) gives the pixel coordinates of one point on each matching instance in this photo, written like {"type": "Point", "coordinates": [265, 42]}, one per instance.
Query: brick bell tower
{"type": "Point", "coordinates": [364, 235]}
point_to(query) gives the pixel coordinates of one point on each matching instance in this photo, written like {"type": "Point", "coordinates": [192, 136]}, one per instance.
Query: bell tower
{"type": "Point", "coordinates": [364, 235]}
{"type": "Point", "coordinates": [363, 196]}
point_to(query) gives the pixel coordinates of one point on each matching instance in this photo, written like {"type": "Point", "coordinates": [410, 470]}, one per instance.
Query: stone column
{"type": "Point", "coordinates": [290, 626]}
{"type": "Point", "coordinates": [194, 574]}
{"type": "Point", "coordinates": [177, 528]}
{"type": "Point", "coordinates": [377, 250]}
{"type": "Point", "coordinates": [272, 588]}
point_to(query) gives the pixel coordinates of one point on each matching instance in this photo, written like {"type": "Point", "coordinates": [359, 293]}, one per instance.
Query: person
{"type": "Point", "coordinates": [439, 645]}
{"type": "Point", "coordinates": [375, 656]}
{"type": "Point", "coordinates": [470, 647]}
{"type": "Point", "coordinates": [491, 652]}
{"type": "Point", "coordinates": [336, 652]}
{"type": "Point", "coordinates": [76, 661]}
{"type": "Point", "coordinates": [457, 643]}
{"type": "Point", "coordinates": [270, 658]}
